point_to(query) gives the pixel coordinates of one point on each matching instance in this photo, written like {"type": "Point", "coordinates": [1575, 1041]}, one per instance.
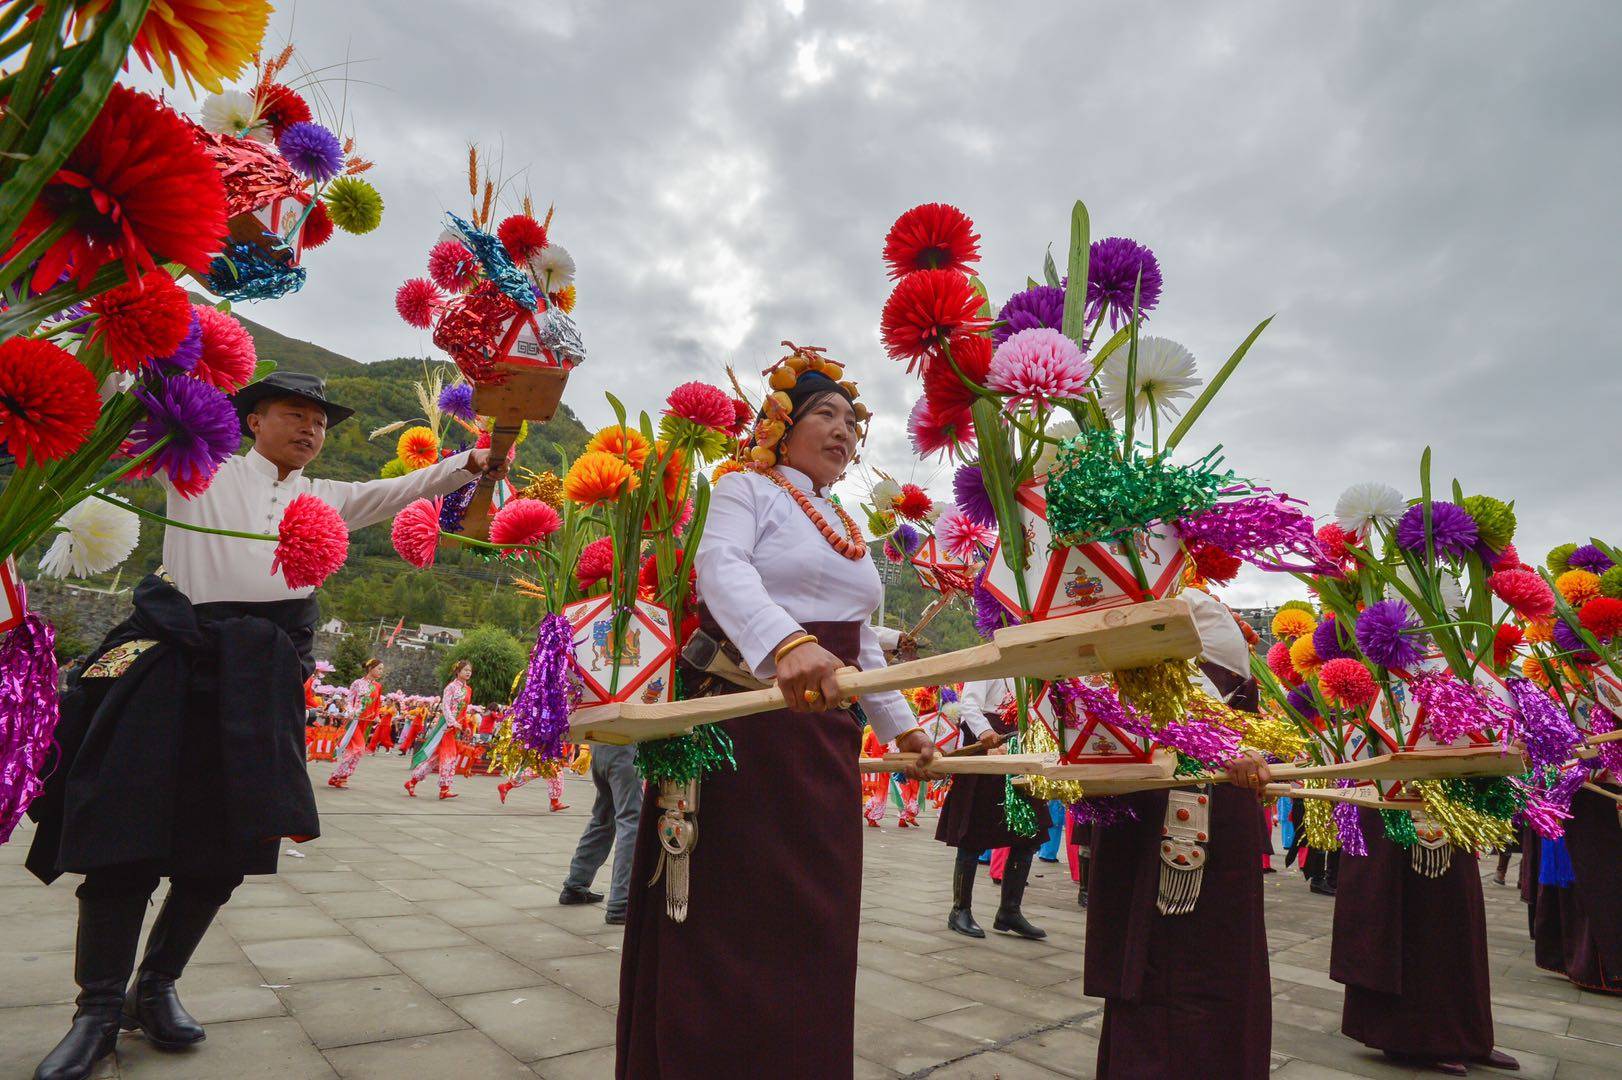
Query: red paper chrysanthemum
{"type": "Point", "coordinates": [1334, 540]}
{"type": "Point", "coordinates": [933, 236]}
{"type": "Point", "coordinates": [648, 582]}
{"type": "Point", "coordinates": [1602, 617]}
{"type": "Point", "coordinates": [452, 266]}
{"type": "Point", "coordinates": [946, 391]}
{"type": "Point", "coordinates": [140, 320]}
{"type": "Point", "coordinates": [1524, 591]}
{"type": "Point", "coordinates": [1214, 564]}
{"type": "Point", "coordinates": [415, 532]}
{"type": "Point", "coordinates": [1506, 639]}
{"type": "Point", "coordinates": [281, 107]}
{"type": "Point", "coordinates": [522, 236]}
{"type": "Point", "coordinates": [1278, 662]}
{"type": "Point", "coordinates": [524, 521]}
{"type": "Point", "coordinates": [742, 416]}
{"type": "Point", "coordinates": [930, 433]}
{"type": "Point", "coordinates": [1508, 559]}
{"type": "Point", "coordinates": [418, 301]}
{"type": "Point", "coordinates": [705, 405]}
{"type": "Point", "coordinates": [596, 563]}
{"type": "Point", "coordinates": [48, 401]}
{"type": "Point", "coordinates": [317, 228]}
{"type": "Point", "coordinates": [923, 308]}
{"type": "Point", "coordinates": [229, 355]}
{"type": "Point", "coordinates": [141, 190]}
{"type": "Point", "coordinates": [1347, 683]}
{"type": "Point", "coordinates": [314, 542]}
{"type": "Point", "coordinates": [913, 502]}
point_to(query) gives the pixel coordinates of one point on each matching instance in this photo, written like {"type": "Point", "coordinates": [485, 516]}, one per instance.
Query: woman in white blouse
{"type": "Point", "coordinates": [759, 979]}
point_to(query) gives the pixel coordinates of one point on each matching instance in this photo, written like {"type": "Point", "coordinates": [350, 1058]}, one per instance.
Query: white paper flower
{"type": "Point", "coordinates": [1049, 456]}
{"type": "Point", "coordinates": [551, 268]}
{"type": "Point", "coordinates": [1165, 373]}
{"type": "Point", "coordinates": [952, 710]}
{"type": "Point", "coordinates": [1362, 506]}
{"type": "Point", "coordinates": [231, 113]}
{"type": "Point", "coordinates": [96, 537]}
{"type": "Point", "coordinates": [886, 493]}
{"type": "Point", "coordinates": [1452, 594]}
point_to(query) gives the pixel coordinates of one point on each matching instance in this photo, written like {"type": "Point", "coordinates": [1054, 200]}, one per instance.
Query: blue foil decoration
{"type": "Point", "coordinates": [497, 265]}
{"type": "Point", "coordinates": [248, 272]}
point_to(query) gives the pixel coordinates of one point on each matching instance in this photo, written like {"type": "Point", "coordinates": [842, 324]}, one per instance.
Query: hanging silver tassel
{"type": "Point", "coordinates": [678, 836]}
{"type": "Point", "coordinates": [1431, 854]}
{"type": "Point", "coordinates": [1183, 836]}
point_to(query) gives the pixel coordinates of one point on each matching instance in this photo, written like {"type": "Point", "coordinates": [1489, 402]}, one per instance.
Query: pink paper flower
{"type": "Point", "coordinates": [961, 536]}
{"type": "Point", "coordinates": [416, 532]}
{"type": "Point", "coordinates": [1038, 366]}
{"type": "Point", "coordinates": [314, 543]}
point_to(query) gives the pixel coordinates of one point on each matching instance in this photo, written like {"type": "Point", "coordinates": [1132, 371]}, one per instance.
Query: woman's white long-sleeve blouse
{"type": "Point", "coordinates": [764, 571]}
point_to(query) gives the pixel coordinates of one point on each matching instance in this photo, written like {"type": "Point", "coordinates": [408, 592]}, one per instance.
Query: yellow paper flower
{"type": "Point", "coordinates": [1534, 671]}
{"type": "Point", "coordinates": [598, 476]}
{"type": "Point", "coordinates": [417, 448]}
{"type": "Point", "coordinates": [621, 442]}
{"type": "Point", "coordinates": [730, 465]}
{"type": "Point", "coordinates": [1539, 631]}
{"type": "Point", "coordinates": [208, 40]}
{"type": "Point", "coordinates": [1293, 623]}
{"type": "Point", "coordinates": [564, 298]}
{"type": "Point", "coordinates": [1305, 656]}
{"type": "Point", "coordinates": [1577, 586]}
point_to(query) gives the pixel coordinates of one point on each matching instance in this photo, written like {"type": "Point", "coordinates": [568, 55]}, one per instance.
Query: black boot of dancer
{"type": "Point", "coordinates": [152, 1003]}
{"type": "Point", "coordinates": [1014, 876]}
{"type": "Point", "coordinates": [104, 955]}
{"type": "Point", "coordinates": [962, 919]}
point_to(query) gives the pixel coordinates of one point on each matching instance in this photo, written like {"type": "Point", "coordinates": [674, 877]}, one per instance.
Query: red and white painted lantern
{"type": "Point", "coordinates": [939, 572]}
{"type": "Point", "coordinates": [1089, 739]}
{"type": "Point", "coordinates": [12, 608]}
{"type": "Point", "coordinates": [646, 664]}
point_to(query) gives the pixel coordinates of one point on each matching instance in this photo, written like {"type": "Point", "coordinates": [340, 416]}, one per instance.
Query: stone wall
{"type": "Point", "coordinates": [415, 671]}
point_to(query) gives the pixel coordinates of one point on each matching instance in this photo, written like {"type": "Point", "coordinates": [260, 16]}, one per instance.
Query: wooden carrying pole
{"type": "Point", "coordinates": [1086, 644]}
{"type": "Point", "coordinates": [530, 392]}
{"type": "Point", "coordinates": [975, 765]}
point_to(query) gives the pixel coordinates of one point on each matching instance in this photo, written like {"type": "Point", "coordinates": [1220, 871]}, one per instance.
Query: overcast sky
{"type": "Point", "coordinates": [1424, 195]}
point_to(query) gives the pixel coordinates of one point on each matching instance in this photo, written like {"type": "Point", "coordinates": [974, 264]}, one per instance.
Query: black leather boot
{"type": "Point", "coordinates": [104, 954]}
{"type": "Point", "coordinates": [1009, 918]}
{"type": "Point", "coordinates": [152, 1003]}
{"type": "Point", "coordinates": [961, 919]}
{"type": "Point", "coordinates": [1081, 891]}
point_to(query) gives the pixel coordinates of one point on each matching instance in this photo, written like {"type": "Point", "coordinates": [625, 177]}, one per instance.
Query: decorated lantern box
{"type": "Point", "coordinates": [268, 227]}
{"type": "Point", "coordinates": [645, 657]}
{"type": "Point", "coordinates": [940, 572]}
{"type": "Point", "coordinates": [1068, 579]}
{"type": "Point", "coordinates": [11, 596]}
{"type": "Point", "coordinates": [1088, 739]}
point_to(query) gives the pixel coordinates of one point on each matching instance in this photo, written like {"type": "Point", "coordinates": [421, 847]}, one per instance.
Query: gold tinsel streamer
{"type": "Point", "coordinates": [1160, 691]}
{"type": "Point", "coordinates": [511, 757]}
{"type": "Point", "coordinates": [1039, 740]}
{"type": "Point", "coordinates": [1317, 820]}
{"type": "Point", "coordinates": [1464, 828]}
{"type": "Point", "coordinates": [547, 488]}
{"type": "Point", "coordinates": [1273, 735]}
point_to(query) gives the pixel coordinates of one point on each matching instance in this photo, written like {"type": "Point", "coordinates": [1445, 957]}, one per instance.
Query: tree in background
{"type": "Point", "coordinates": [349, 659]}
{"type": "Point", "coordinates": [497, 659]}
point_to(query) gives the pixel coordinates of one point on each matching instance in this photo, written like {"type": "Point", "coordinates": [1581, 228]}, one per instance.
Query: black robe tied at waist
{"type": "Point", "coordinates": [190, 756]}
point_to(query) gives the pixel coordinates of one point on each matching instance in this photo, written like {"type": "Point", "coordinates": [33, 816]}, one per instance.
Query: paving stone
{"type": "Point", "coordinates": [462, 969]}
{"type": "Point", "coordinates": [1064, 1050]}
{"type": "Point", "coordinates": [454, 1053]}
{"type": "Point", "coordinates": [342, 1012]}
{"type": "Point", "coordinates": [478, 911]}
{"type": "Point", "coordinates": [903, 1045]}
{"type": "Point", "coordinates": [216, 993]}
{"type": "Point", "coordinates": [270, 1049]}
{"type": "Point", "coordinates": [537, 1021]}
{"type": "Point", "coordinates": [435, 888]}
{"type": "Point", "coordinates": [532, 942]}
{"type": "Point", "coordinates": [251, 924]}
{"type": "Point", "coordinates": [363, 905]}
{"type": "Point", "coordinates": [912, 1000]}
{"type": "Point", "coordinates": [303, 960]}
{"type": "Point", "coordinates": [994, 1066]}
{"type": "Point", "coordinates": [36, 978]}
{"type": "Point", "coordinates": [396, 933]}
{"type": "Point", "coordinates": [985, 1023]}
{"type": "Point", "coordinates": [335, 881]}
{"type": "Point", "coordinates": [584, 1065]}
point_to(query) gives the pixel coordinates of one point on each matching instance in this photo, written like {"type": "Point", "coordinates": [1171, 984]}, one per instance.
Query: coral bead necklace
{"type": "Point", "coordinates": [851, 545]}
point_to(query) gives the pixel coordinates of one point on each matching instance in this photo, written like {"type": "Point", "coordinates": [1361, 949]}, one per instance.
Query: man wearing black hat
{"type": "Point", "coordinates": [182, 738]}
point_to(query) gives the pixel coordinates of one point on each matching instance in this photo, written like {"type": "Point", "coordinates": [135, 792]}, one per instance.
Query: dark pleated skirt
{"type": "Point", "coordinates": [973, 816]}
{"type": "Point", "coordinates": [1577, 930]}
{"type": "Point", "coordinates": [1183, 994]}
{"type": "Point", "coordinates": [1412, 953]}
{"type": "Point", "coordinates": [760, 980]}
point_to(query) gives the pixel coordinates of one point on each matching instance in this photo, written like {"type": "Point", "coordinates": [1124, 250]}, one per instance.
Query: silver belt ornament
{"type": "Point", "coordinates": [678, 836]}
{"type": "Point", "coordinates": [1431, 855]}
{"type": "Point", "coordinates": [1183, 836]}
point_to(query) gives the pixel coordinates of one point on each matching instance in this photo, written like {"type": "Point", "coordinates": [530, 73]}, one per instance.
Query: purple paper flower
{"type": "Point", "coordinates": [1590, 558]}
{"type": "Point", "coordinates": [906, 538]}
{"type": "Point", "coordinates": [1453, 530]}
{"type": "Point", "coordinates": [202, 426]}
{"type": "Point", "coordinates": [457, 400]}
{"type": "Point", "coordinates": [541, 712]}
{"type": "Point", "coordinates": [948, 695]}
{"type": "Point", "coordinates": [969, 492]}
{"type": "Point", "coordinates": [1042, 305]}
{"type": "Point", "coordinates": [1326, 640]}
{"type": "Point", "coordinates": [1112, 272]}
{"type": "Point", "coordinates": [188, 352]}
{"type": "Point", "coordinates": [1545, 727]}
{"type": "Point", "coordinates": [1383, 635]}
{"type": "Point", "coordinates": [989, 613]}
{"type": "Point", "coordinates": [1301, 701]}
{"type": "Point", "coordinates": [313, 152]}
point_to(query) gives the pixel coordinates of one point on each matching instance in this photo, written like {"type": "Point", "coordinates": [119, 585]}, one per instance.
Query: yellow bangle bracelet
{"type": "Point", "coordinates": [789, 646]}
{"type": "Point", "coordinates": [909, 731]}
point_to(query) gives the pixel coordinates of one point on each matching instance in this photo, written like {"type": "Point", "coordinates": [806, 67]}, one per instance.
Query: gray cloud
{"type": "Point", "coordinates": [1423, 195]}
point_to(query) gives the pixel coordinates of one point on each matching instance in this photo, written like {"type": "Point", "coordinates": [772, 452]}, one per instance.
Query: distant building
{"type": "Point", "coordinates": [332, 626]}
{"type": "Point", "coordinates": [438, 635]}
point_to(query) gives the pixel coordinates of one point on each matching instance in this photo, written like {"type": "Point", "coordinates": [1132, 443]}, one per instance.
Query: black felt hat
{"type": "Point", "coordinates": [279, 384]}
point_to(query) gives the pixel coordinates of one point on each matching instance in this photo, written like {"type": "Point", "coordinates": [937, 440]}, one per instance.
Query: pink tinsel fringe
{"type": "Point", "coordinates": [28, 715]}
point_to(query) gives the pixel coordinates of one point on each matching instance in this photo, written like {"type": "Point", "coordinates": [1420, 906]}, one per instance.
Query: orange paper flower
{"type": "Point", "coordinates": [417, 448]}
{"type": "Point", "coordinates": [621, 442]}
{"type": "Point", "coordinates": [598, 476]}
{"type": "Point", "coordinates": [206, 40]}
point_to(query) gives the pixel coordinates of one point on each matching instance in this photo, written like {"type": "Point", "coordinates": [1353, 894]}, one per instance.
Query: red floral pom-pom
{"type": "Point", "coordinates": [742, 416]}
{"type": "Point", "coordinates": [946, 391]}
{"type": "Point", "coordinates": [522, 236]}
{"type": "Point", "coordinates": [1347, 683]}
{"type": "Point", "coordinates": [1278, 662]}
{"type": "Point", "coordinates": [931, 433]}
{"type": "Point", "coordinates": [1506, 640]}
{"type": "Point", "coordinates": [141, 319]}
{"type": "Point", "coordinates": [317, 228]}
{"type": "Point", "coordinates": [229, 356]}
{"type": "Point", "coordinates": [1334, 540]}
{"type": "Point", "coordinates": [705, 405]}
{"type": "Point", "coordinates": [1602, 617]}
{"type": "Point", "coordinates": [48, 401]}
{"type": "Point", "coordinates": [415, 532]}
{"type": "Point", "coordinates": [596, 563]}
{"type": "Point", "coordinates": [1524, 591]}
{"type": "Point", "coordinates": [417, 302]}
{"type": "Point", "coordinates": [923, 308]}
{"type": "Point", "coordinates": [314, 542]}
{"type": "Point", "coordinates": [525, 522]}
{"type": "Point", "coordinates": [914, 502]}
{"type": "Point", "coordinates": [933, 236]}
{"type": "Point", "coordinates": [1214, 564]}
{"type": "Point", "coordinates": [281, 107]}
{"type": "Point", "coordinates": [1508, 559]}
{"type": "Point", "coordinates": [452, 266]}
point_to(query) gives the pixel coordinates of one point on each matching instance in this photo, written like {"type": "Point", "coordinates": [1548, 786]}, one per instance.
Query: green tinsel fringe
{"type": "Point", "coordinates": [1187, 766]}
{"type": "Point", "coordinates": [1399, 828]}
{"type": "Point", "coordinates": [705, 750]}
{"type": "Point", "coordinates": [1018, 812]}
{"type": "Point", "coordinates": [1100, 491]}
{"type": "Point", "coordinates": [1493, 796]}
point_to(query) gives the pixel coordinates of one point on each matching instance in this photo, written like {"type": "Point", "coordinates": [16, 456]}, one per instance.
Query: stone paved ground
{"type": "Point", "coordinates": [424, 938]}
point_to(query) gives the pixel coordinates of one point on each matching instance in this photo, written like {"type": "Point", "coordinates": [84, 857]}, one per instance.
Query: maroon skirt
{"type": "Point", "coordinates": [1180, 989]}
{"type": "Point", "coordinates": [1412, 953]}
{"type": "Point", "coordinates": [974, 817]}
{"type": "Point", "coordinates": [760, 980]}
{"type": "Point", "coordinates": [1577, 930]}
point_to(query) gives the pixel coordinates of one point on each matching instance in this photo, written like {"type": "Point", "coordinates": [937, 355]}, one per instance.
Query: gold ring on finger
{"type": "Point", "coordinates": [813, 696]}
